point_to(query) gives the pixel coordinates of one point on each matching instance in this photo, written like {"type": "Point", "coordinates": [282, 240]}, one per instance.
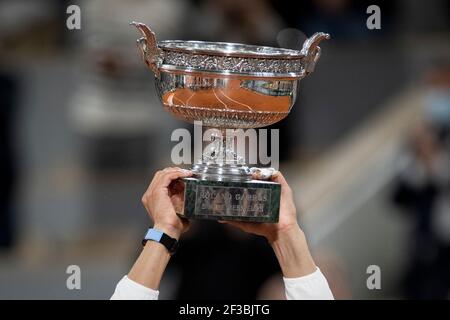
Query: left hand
{"type": "Point", "coordinates": [160, 200]}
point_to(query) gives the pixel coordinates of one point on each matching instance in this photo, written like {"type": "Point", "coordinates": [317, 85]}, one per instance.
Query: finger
{"type": "Point", "coordinates": [256, 175]}
{"type": "Point", "coordinates": [176, 187]}
{"type": "Point", "coordinates": [177, 201]}
{"type": "Point", "coordinates": [285, 188]}
{"type": "Point", "coordinates": [262, 173]}
{"type": "Point", "coordinates": [278, 177]}
{"type": "Point", "coordinates": [156, 176]}
{"type": "Point", "coordinates": [160, 173]}
{"type": "Point", "coordinates": [171, 175]}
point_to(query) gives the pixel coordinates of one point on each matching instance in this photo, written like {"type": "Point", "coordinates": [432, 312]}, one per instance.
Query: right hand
{"type": "Point", "coordinates": [160, 198]}
{"type": "Point", "coordinates": [287, 218]}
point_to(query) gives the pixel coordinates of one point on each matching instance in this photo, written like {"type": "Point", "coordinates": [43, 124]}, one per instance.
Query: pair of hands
{"type": "Point", "coordinates": [164, 195]}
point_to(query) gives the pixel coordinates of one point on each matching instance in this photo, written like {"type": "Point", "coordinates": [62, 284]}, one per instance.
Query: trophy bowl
{"type": "Point", "coordinates": [227, 85]}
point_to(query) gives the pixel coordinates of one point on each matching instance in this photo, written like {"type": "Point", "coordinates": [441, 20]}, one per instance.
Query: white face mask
{"type": "Point", "coordinates": [437, 106]}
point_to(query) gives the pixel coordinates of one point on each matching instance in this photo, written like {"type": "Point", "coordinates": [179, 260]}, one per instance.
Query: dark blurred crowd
{"type": "Point", "coordinates": [423, 191]}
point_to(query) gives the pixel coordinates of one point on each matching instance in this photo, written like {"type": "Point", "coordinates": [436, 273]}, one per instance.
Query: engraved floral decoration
{"type": "Point", "coordinates": [233, 64]}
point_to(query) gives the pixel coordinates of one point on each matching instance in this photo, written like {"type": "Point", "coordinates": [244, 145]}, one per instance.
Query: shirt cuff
{"type": "Point", "coordinates": [313, 286]}
{"type": "Point", "coordinates": [128, 289]}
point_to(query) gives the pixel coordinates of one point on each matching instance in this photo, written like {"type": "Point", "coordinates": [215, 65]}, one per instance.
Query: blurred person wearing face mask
{"type": "Point", "coordinates": [437, 100]}
{"type": "Point", "coordinates": [423, 191]}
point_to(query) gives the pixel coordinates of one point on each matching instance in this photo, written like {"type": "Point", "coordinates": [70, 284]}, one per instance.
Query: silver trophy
{"type": "Point", "coordinates": [227, 86]}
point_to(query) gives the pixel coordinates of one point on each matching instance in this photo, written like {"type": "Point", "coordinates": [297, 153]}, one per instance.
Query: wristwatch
{"type": "Point", "coordinates": [159, 236]}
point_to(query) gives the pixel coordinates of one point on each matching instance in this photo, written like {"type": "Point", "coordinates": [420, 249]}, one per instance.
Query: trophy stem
{"type": "Point", "coordinates": [219, 160]}
{"type": "Point", "coordinates": [220, 148]}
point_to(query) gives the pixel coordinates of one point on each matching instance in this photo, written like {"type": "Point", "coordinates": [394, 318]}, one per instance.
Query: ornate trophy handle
{"type": "Point", "coordinates": [311, 50]}
{"type": "Point", "coordinates": [148, 47]}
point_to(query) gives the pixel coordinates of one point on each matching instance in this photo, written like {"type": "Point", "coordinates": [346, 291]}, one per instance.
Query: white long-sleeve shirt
{"type": "Point", "coordinates": [310, 287]}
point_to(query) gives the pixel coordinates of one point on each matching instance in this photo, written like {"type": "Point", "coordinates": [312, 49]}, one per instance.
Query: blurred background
{"type": "Point", "coordinates": [366, 147]}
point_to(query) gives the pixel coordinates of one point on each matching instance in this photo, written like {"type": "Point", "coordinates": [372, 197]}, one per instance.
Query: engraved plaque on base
{"type": "Point", "coordinates": [254, 200]}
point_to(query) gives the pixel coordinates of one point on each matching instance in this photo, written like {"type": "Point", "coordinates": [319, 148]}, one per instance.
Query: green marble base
{"type": "Point", "coordinates": [254, 200]}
